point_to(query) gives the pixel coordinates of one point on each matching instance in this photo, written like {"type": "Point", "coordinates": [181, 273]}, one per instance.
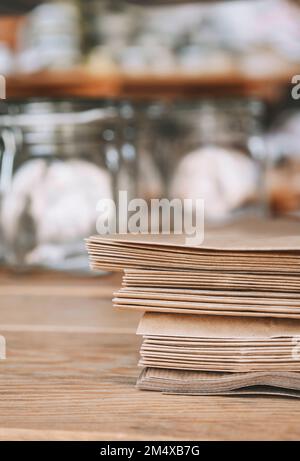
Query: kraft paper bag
{"type": "Point", "coordinates": [248, 235]}
{"type": "Point", "coordinates": [220, 327]}
{"type": "Point", "coordinates": [205, 343]}
{"type": "Point", "coordinates": [210, 383]}
{"type": "Point", "coordinates": [250, 246]}
{"type": "Point", "coordinates": [223, 317]}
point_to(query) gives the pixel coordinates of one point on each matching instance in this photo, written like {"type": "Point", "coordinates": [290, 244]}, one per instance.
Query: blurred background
{"type": "Point", "coordinates": [187, 101]}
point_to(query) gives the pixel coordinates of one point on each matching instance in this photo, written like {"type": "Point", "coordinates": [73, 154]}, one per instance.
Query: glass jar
{"type": "Point", "coordinates": [211, 150]}
{"type": "Point", "coordinates": [58, 160]}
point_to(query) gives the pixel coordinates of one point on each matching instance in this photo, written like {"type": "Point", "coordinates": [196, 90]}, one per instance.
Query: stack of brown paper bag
{"type": "Point", "coordinates": [222, 317]}
{"type": "Point", "coordinates": [209, 302]}
{"type": "Point", "coordinates": [205, 343]}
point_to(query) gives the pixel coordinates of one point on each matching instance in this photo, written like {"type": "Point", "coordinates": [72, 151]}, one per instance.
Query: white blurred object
{"type": "Point", "coordinates": [247, 25]}
{"type": "Point", "coordinates": [147, 57]}
{"type": "Point", "coordinates": [60, 197]}
{"type": "Point", "coordinates": [225, 178]}
{"type": "Point", "coordinates": [160, 59]}
{"type": "Point", "coordinates": [133, 60]}
{"type": "Point", "coordinates": [101, 61]}
{"type": "Point", "coordinates": [256, 38]}
{"type": "Point", "coordinates": [193, 59]}
{"type": "Point", "coordinates": [263, 62]}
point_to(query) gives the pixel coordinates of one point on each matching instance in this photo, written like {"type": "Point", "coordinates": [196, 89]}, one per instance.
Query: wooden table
{"type": "Point", "coordinates": [71, 369]}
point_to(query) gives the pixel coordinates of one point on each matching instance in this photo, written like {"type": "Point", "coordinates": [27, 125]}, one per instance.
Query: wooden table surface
{"type": "Point", "coordinates": [71, 369]}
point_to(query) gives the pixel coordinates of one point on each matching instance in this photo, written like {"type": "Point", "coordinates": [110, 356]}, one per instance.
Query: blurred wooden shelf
{"type": "Point", "coordinates": [180, 85]}
{"type": "Point", "coordinates": [81, 83]}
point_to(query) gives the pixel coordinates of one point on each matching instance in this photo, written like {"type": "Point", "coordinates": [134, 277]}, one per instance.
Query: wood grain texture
{"type": "Point", "coordinates": [71, 369]}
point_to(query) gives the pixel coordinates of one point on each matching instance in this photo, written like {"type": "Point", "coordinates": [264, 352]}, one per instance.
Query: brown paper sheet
{"type": "Point", "coordinates": [203, 312]}
{"type": "Point", "coordinates": [264, 246]}
{"type": "Point", "coordinates": [241, 344]}
{"type": "Point", "coordinates": [248, 235]}
{"type": "Point", "coordinates": [194, 326]}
